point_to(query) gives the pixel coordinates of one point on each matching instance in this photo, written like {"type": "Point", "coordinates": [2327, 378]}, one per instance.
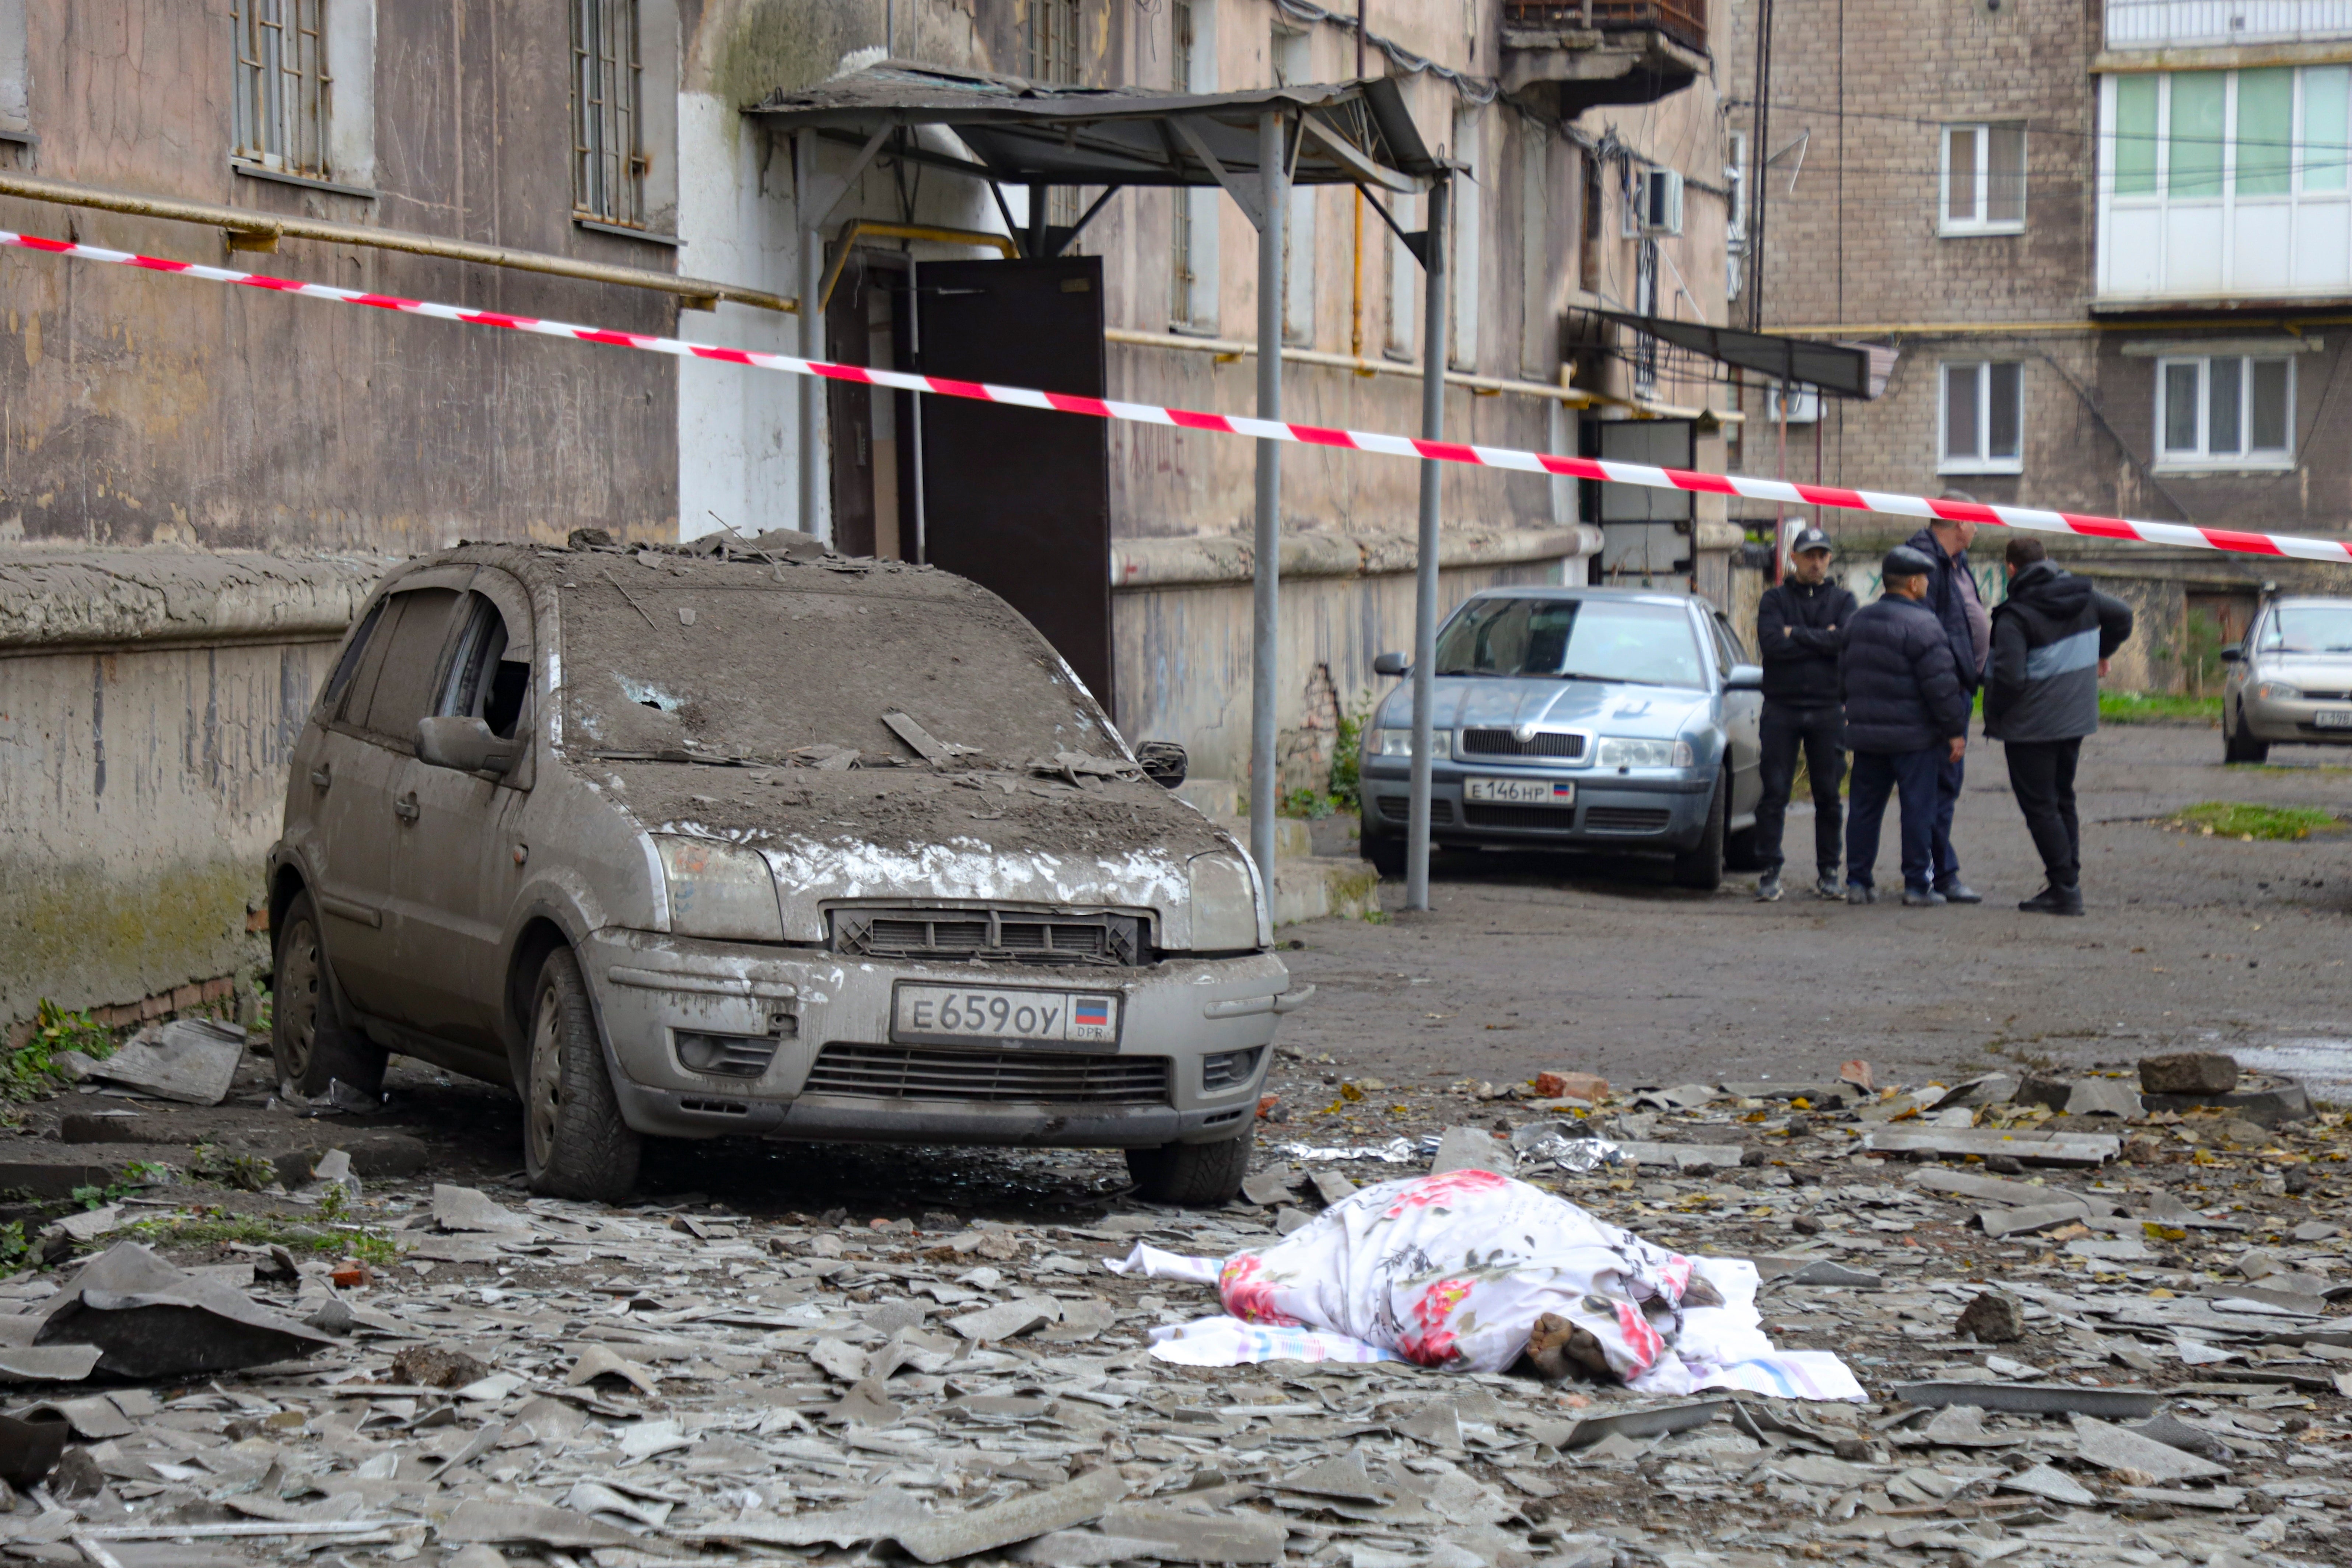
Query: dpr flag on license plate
{"type": "Point", "coordinates": [1090, 1012]}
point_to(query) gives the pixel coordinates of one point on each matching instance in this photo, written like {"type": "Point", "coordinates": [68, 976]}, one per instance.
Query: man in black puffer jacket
{"type": "Point", "coordinates": [1800, 629]}
{"type": "Point", "coordinates": [2051, 638]}
{"type": "Point", "coordinates": [1906, 714]}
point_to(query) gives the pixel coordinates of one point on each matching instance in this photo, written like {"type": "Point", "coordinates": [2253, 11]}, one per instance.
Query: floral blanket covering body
{"type": "Point", "coordinates": [1453, 1270]}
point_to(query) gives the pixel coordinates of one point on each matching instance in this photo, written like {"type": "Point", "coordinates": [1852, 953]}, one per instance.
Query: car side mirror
{"type": "Point", "coordinates": [465, 744]}
{"type": "Point", "coordinates": [1165, 762]}
{"type": "Point", "coordinates": [2233, 655]}
{"type": "Point", "coordinates": [1745, 678]}
{"type": "Point", "coordinates": [1392, 664]}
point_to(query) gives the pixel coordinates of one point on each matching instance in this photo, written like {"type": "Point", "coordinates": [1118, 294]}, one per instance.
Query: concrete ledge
{"type": "Point", "coordinates": [1233, 557]}
{"type": "Point", "coordinates": [52, 599]}
{"type": "Point", "coordinates": [1313, 888]}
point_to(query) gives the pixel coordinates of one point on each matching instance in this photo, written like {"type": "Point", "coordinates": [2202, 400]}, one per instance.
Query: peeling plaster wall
{"type": "Point", "coordinates": [137, 408]}
{"type": "Point", "coordinates": [147, 700]}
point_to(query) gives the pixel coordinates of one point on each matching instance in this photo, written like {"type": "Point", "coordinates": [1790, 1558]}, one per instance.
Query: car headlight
{"type": "Point", "coordinates": [1625, 751]}
{"type": "Point", "coordinates": [2276, 692]}
{"type": "Point", "coordinates": [1225, 905]}
{"type": "Point", "coordinates": [719, 890]}
{"type": "Point", "coordinates": [1398, 743]}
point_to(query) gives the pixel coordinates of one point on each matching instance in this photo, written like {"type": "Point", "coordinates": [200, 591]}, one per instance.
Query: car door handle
{"type": "Point", "coordinates": [321, 778]}
{"type": "Point", "coordinates": [405, 807]}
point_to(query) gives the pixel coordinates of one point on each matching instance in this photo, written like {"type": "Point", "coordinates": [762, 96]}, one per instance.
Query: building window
{"type": "Point", "coordinates": [2225, 411]}
{"type": "Point", "coordinates": [1054, 57]}
{"type": "Point", "coordinates": [1193, 260]}
{"type": "Point", "coordinates": [1983, 417]}
{"type": "Point", "coordinates": [1983, 188]}
{"type": "Point", "coordinates": [608, 164]}
{"type": "Point", "coordinates": [1734, 228]}
{"type": "Point", "coordinates": [1590, 213]}
{"type": "Point", "coordinates": [1294, 65]}
{"type": "Point", "coordinates": [1404, 280]}
{"type": "Point", "coordinates": [281, 85]}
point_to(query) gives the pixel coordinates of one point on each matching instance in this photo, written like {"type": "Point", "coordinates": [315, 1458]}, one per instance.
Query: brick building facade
{"type": "Point", "coordinates": [2107, 250]}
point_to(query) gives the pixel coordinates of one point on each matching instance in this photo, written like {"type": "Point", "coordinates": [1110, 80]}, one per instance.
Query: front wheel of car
{"type": "Point", "coordinates": [574, 1143]}
{"type": "Point", "coordinates": [1701, 867]}
{"type": "Point", "coordinates": [312, 1048]}
{"type": "Point", "coordinates": [2237, 746]}
{"type": "Point", "coordinates": [1195, 1175]}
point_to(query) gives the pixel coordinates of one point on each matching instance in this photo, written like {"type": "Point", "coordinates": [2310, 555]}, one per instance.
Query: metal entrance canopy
{"type": "Point", "coordinates": [1025, 132]}
{"type": "Point", "coordinates": [1255, 146]}
{"type": "Point", "coordinates": [1840, 370]}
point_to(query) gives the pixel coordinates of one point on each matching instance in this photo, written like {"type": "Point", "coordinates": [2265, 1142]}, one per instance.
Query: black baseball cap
{"type": "Point", "coordinates": [1810, 539]}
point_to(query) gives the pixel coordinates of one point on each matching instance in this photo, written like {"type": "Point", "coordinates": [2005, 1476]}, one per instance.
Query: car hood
{"type": "Point", "coordinates": [913, 833]}
{"type": "Point", "coordinates": [2326, 672]}
{"type": "Point", "coordinates": [1465, 702]}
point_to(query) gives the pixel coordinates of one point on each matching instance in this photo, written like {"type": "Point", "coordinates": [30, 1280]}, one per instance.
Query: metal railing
{"type": "Point", "coordinates": [1685, 21]}
{"type": "Point", "coordinates": [2158, 24]}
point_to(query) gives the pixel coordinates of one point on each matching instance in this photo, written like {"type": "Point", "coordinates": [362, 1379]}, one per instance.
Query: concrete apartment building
{"type": "Point", "coordinates": [196, 482]}
{"type": "Point", "coordinates": [2109, 245]}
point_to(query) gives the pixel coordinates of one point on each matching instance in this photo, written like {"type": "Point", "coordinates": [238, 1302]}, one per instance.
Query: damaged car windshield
{"type": "Point", "coordinates": [1573, 639]}
{"type": "Point", "coordinates": [662, 669]}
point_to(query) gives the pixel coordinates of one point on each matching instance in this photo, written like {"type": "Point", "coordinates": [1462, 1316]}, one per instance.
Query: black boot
{"type": "Point", "coordinates": [2057, 898]}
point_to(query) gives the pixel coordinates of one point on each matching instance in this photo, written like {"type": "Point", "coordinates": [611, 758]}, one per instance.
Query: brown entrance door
{"type": "Point", "coordinates": [861, 327]}
{"type": "Point", "coordinates": [1018, 500]}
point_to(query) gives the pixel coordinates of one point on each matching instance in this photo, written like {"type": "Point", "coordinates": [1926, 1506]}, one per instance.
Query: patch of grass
{"type": "Point", "coordinates": [2158, 708]}
{"type": "Point", "coordinates": [254, 1230]}
{"type": "Point", "coordinates": [2244, 820]}
{"type": "Point", "coordinates": [252, 1172]}
{"type": "Point", "coordinates": [31, 1070]}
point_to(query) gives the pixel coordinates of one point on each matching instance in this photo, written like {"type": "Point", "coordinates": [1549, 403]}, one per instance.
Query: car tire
{"type": "Point", "coordinates": [1381, 852]}
{"type": "Point", "coordinates": [2237, 746]}
{"type": "Point", "coordinates": [308, 1041]}
{"type": "Point", "coordinates": [1701, 868]}
{"type": "Point", "coordinates": [1194, 1175]}
{"type": "Point", "coordinates": [574, 1143]}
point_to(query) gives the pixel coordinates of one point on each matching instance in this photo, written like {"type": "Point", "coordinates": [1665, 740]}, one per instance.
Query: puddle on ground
{"type": "Point", "coordinates": [2324, 1066]}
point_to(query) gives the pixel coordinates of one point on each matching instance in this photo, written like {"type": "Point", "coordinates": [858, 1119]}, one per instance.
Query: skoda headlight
{"type": "Point", "coordinates": [719, 890]}
{"type": "Point", "coordinates": [1625, 751]}
{"type": "Point", "coordinates": [1398, 743]}
{"type": "Point", "coordinates": [2277, 692]}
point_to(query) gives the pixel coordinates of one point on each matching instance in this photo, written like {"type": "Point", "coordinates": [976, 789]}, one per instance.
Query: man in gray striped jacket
{"type": "Point", "coordinates": [2051, 638]}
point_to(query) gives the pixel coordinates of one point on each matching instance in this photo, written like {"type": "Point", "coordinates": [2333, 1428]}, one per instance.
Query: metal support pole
{"type": "Point", "coordinates": [1266, 602]}
{"type": "Point", "coordinates": [1424, 588]}
{"type": "Point", "coordinates": [812, 343]}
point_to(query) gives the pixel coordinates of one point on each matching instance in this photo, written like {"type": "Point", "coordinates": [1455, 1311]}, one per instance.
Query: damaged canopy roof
{"type": "Point", "coordinates": [1030, 132]}
{"type": "Point", "coordinates": [1840, 370]}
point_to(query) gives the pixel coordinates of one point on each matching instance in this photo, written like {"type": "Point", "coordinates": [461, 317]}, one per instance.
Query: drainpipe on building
{"type": "Point", "coordinates": [1425, 591]}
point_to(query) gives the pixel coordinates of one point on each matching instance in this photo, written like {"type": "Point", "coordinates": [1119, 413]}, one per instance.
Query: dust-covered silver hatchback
{"type": "Point", "coordinates": [764, 843]}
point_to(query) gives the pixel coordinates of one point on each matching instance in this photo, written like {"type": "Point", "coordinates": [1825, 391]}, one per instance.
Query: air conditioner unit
{"type": "Point", "coordinates": [1658, 201]}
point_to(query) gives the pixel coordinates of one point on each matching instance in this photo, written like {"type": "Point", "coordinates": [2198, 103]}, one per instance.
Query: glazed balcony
{"type": "Point", "coordinates": [2219, 24]}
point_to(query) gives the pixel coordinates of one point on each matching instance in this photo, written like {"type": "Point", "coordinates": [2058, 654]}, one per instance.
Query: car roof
{"type": "Point", "coordinates": [1585, 591]}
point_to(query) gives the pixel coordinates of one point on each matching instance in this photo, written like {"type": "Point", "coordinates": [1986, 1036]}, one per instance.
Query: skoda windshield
{"type": "Point", "coordinates": [1619, 640]}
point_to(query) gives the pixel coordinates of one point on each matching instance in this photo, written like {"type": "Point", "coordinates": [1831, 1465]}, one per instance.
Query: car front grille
{"type": "Point", "coordinates": [1626, 818]}
{"type": "Point", "coordinates": [1009, 936]}
{"type": "Point", "coordinates": [1505, 744]}
{"type": "Point", "coordinates": [1398, 808]}
{"type": "Point", "coordinates": [1052, 1077]}
{"type": "Point", "coordinates": [1555, 818]}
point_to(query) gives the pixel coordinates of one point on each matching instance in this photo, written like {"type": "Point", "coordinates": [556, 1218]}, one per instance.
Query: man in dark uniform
{"type": "Point", "coordinates": [1799, 627]}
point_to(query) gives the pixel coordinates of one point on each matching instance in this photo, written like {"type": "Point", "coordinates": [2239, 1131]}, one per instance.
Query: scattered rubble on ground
{"type": "Point", "coordinates": [2117, 1336]}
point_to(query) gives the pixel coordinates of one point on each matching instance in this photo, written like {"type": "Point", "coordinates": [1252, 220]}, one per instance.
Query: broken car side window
{"type": "Point", "coordinates": [483, 683]}
{"type": "Point", "coordinates": [403, 691]}
{"type": "Point", "coordinates": [341, 676]}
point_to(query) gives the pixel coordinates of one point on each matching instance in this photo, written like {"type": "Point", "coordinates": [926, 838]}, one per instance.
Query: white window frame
{"type": "Point", "coordinates": [1980, 131]}
{"type": "Point", "coordinates": [15, 73]}
{"type": "Point", "coordinates": [2201, 459]}
{"type": "Point", "coordinates": [283, 89]}
{"type": "Point", "coordinates": [1292, 52]}
{"type": "Point", "coordinates": [1193, 241]}
{"type": "Point", "coordinates": [1402, 327]}
{"type": "Point", "coordinates": [1982, 461]}
{"type": "Point", "coordinates": [1462, 259]}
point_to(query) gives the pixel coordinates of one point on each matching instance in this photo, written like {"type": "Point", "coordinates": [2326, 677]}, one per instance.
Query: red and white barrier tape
{"type": "Point", "coordinates": [2031, 518]}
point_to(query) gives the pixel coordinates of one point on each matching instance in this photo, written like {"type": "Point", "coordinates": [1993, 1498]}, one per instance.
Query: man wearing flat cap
{"type": "Point", "coordinates": [1907, 715]}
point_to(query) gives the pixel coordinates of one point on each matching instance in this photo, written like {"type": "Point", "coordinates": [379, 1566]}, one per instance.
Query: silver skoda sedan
{"type": "Point", "coordinates": [2291, 681]}
{"type": "Point", "coordinates": [1596, 718]}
